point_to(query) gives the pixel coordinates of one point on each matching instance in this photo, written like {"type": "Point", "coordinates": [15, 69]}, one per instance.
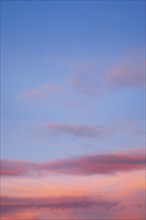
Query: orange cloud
{"type": "Point", "coordinates": [124, 191]}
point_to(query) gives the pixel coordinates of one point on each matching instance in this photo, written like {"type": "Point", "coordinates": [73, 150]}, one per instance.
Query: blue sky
{"type": "Point", "coordinates": [50, 41]}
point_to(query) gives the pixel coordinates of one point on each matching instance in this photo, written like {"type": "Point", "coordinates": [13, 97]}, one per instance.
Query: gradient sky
{"type": "Point", "coordinates": [73, 109]}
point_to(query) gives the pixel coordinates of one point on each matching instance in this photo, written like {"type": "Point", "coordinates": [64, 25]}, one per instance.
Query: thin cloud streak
{"type": "Point", "coordinates": [91, 131]}
{"type": "Point", "coordinates": [83, 165]}
{"type": "Point", "coordinates": [79, 130]}
{"type": "Point", "coordinates": [44, 90]}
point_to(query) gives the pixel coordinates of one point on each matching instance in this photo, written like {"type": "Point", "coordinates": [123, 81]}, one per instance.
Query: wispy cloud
{"type": "Point", "coordinates": [79, 130]}
{"type": "Point", "coordinates": [85, 80]}
{"type": "Point", "coordinates": [133, 127]}
{"type": "Point", "coordinates": [128, 72]}
{"type": "Point", "coordinates": [93, 131]}
{"type": "Point", "coordinates": [83, 165]}
{"type": "Point", "coordinates": [44, 90]}
{"type": "Point", "coordinates": [125, 76]}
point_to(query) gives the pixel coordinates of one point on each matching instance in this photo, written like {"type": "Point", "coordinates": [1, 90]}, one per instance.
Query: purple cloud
{"type": "Point", "coordinates": [11, 205]}
{"type": "Point", "coordinates": [83, 165]}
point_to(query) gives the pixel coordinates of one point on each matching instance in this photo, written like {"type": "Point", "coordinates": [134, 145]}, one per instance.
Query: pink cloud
{"type": "Point", "coordinates": [127, 74]}
{"type": "Point", "coordinates": [79, 130]}
{"type": "Point", "coordinates": [83, 165]}
{"type": "Point", "coordinates": [40, 92]}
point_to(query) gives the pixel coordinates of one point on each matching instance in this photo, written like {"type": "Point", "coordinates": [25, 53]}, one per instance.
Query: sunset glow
{"type": "Point", "coordinates": [73, 110]}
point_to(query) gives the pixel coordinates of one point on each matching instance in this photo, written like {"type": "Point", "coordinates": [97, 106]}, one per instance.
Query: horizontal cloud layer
{"type": "Point", "coordinates": [15, 204]}
{"type": "Point", "coordinates": [83, 165]}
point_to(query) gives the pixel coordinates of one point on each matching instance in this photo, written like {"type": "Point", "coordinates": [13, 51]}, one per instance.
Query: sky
{"type": "Point", "coordinates": [73, 110]}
